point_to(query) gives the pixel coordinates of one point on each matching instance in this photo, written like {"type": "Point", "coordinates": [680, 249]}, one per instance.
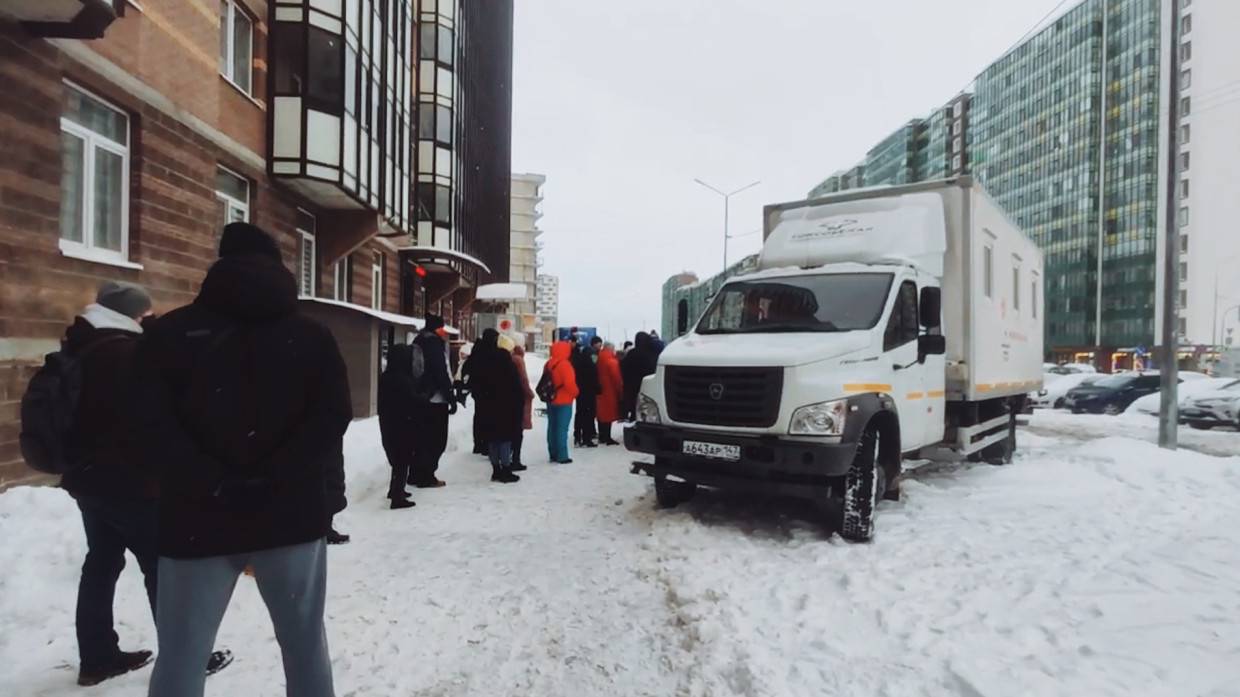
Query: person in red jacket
{"type": "Point", "coordinates": [611, 393]}
{"type": "Point", "coordinates": [560, 410]}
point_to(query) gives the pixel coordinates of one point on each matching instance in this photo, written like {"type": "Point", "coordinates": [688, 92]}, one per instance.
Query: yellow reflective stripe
{"type": "Point", "coordinates": [867, 387]}
{"type": "Point", "coordinates": [936, 394]}
{"type": "Point", "coordinates": [916, 395]}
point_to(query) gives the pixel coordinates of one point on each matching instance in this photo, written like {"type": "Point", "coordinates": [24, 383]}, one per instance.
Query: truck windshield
{"type": "Point", "coordinates": [826, 303]}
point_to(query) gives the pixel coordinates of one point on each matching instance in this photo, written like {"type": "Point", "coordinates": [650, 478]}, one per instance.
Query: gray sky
{"type": "Point", "coordinates": [623, 104]}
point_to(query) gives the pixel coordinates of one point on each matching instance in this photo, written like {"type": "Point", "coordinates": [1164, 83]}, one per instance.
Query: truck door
{"type": "Point", "coordinates": [907, 376]}
{"type": "Point", "coordinates": [934, 380]}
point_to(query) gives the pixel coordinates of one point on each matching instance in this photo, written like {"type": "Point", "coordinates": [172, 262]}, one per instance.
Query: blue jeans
{"type": "Point", "coordinates": [194, 593]}
{"type": "Point", "coordinates": [559, 421]}
{"type": "Point", "coordinates": [501, 454]}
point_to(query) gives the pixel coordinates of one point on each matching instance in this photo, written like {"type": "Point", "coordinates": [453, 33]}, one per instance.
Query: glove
{"type": "Point", "coordinates": [245, 494]}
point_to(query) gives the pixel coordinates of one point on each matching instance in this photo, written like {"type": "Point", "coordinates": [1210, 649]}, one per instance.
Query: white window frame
{"type": "Point", "coordinates": [91, 141]}
{"type": "Point", "coordinates": [228, 71]}
{"type": "Point", "coordinates": [340, 280]}
{"type": "Point", "coordinates": [232, 203]}
{"type": "Point", "coordinates": [307, 240]}
{"type": "Point", "coordinates": [376, 281]}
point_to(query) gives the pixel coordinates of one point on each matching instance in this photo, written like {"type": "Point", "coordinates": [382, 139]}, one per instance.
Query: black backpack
{"type": "Point", "coordinates": [49, 409]}
{"type": "Point", "coordinates": [546, 387]}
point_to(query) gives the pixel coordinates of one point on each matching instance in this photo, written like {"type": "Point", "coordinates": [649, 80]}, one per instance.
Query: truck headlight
{"type": "Point", "coordinates": [823, 419]}
{"type": "Point", "coordinates": [648, 410]}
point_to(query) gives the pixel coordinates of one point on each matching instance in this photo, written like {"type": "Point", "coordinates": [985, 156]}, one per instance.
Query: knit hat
{"type": "Point", "coordinates": [434, 322]}
{"type": "Point", "coordinates": [244, 238]}
{"type": "Point", "coordinates": [129, 299]}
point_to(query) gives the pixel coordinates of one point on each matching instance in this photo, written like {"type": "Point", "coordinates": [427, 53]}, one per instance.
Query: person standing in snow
{"type": "Point", "coordinates": [527, 411]}
{"type": "Point", "coordinates": [117, 497]}
{"type": "Point", "coordinates": [610, 394]}
{"type": "Point", "coordinates": [244, 402]}
{"type": "Point", "coordinates": [498, 402]}
{"type": "Point", "coordinates": [584, 357]}
{"type": "Point", "coordinates": [560, 411]}
{"type": "Point", "coordinates": [638, 363]}
{"type": "Point", "coordinates": [433, 415]}
{"type": "Point", "coordinates": [463, 388]}
{"type": "Point", "coordinates": [398, 417]}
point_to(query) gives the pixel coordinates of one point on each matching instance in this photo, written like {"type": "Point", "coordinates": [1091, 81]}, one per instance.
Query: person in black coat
{"type": "Point", "coordinates": [432, 421]}
{"type": "Point", "coordinates": [499, 402]}
{"type": "Point", "coordinates": [638, 363]}
{"type": "Point", "coordinates": [398, 415]}
{"type": "Point", "coordinates": [584, 364]}
{"type": "Point", "coordinates": [244, 402]}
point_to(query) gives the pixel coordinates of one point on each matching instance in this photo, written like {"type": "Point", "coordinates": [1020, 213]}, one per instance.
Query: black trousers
{"type": "Point", "coordinates": [604, 431]}
{"type": "Point", "coordinates": [516, 447]}
{"type": "Point", "coordinates": [432, 442]}
{"type": "Point", "coordinates": [583, 426]}
{"type": "Point", "coordinates": [402, 464]}
{"type": "Point", "coordinates": [112, 526]}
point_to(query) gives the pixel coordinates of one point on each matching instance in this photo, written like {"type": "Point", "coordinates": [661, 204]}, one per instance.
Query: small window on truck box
{"type": "Point", "coordinates": [988, 269]}
{"type": "Point", "coordinates": [1015, 285]}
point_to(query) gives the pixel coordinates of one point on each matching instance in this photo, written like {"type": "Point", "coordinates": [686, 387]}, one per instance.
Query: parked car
{"type": "Point", "coordinates": [1217, 407]}
{"type": "Point", "coordinates": [1072, 369]}
{"type": "Point", "coordinates": [1056, 387]}
{"type": "Point", "coordinates": [1188, 390]}
{"type": "Point", "coordinates": [1111, 394]}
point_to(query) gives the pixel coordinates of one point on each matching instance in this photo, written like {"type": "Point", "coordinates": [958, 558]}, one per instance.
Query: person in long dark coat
{"type": "Point", "coordinates": [499, 401]}
{"type": "Point", "coordinates": [584, 357]}
{"type": "Point", "coordinates": [640, 362]}
{"type": "Point", "coordinates": [398, 414]}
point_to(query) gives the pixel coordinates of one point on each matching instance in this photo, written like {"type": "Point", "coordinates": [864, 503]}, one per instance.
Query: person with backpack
{"type": "Point", "coordinates": [398, 414]}
{"type": "Point", "coordinates": [558, 388]}
{"type": "Point", "coordinates": [432, 421]}
{"type": "Point", "coordinates": [243, 404]}
{"type": "Point", "coordinates": [77, 422]}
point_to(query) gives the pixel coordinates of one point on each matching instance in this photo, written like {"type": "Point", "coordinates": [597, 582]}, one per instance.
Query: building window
{"type": "Point", "coordinates": [1183, 271]}
{"type": "Point", "coordinates": [325, 82]}
{"type": "Point", "coordinates": [1186, 106]}
{"type": "Point", "coordinates": [1186, 79]}
{"type": "Point", "coordinates": [1184, 189]}
{"type": "Point", "coordinates": [376, 282]}
{"type": "Point", "coordinates": [236, 45]}
{"type": "Point", "coordinates": [342, 285]}
{"type": "Point", "coordinates": [94, 180]}
{"type": "Point", "coordinates": [988, 269]}
{"type": "Point", "coordinates": [957, 162]}
{"type": "Point", "coordinates": [1183, 298]}
{"type": "Point", "coordinates": [1183, 325]}
{"type": "Point", "coordinates": [232, 191]}
{"type": "Point", "coordinates": [306, 258]}
{"type": "Point", "coordinates": [1187, 24]}
{"type": "Point", "coordinates": [1186, 134]}
{"type": "Point", "coordinates": [1186, 51]}
{"type": "Point", "coordinates": [1185, 160]}
{"type": "Point", "coordinates": [1183, 244]}
{"type": "Point", "coordinates": [1183, 216]}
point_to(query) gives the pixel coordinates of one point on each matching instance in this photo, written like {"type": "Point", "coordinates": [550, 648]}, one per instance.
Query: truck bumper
{"type": "Point", "coordinates": [767, 464]}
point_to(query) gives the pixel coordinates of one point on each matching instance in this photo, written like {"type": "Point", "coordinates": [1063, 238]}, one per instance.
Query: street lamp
{"type": "Point", "coordinates": [1214, 335]}
{"type": "Point", "coordinates": [727, 199]}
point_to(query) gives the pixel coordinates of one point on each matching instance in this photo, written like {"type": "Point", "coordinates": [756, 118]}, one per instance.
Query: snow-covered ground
{"type": "Point", "coordinates": [1093, 566]}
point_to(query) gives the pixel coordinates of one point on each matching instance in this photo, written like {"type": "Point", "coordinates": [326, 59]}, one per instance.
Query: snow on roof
{"type": "Point", "coordinates": [503, 291]}
{"type": "Point", "coordinates": [389, 317]}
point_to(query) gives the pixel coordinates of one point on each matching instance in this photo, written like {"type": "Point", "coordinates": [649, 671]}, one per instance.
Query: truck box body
{"type": "Point", "coordinates": [992, 274]}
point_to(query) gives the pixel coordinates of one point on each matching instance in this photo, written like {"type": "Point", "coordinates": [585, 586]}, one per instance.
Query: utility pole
{"type": "Point", "coordinates": [727, 199]}
{"type": "Point", "coordinates": [1169, 412]}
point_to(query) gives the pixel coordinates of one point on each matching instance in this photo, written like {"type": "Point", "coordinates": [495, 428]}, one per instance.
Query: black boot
{"type": "Point", "coordinates": [503, 476]}
{"type": "Point", "coordinates": [517, 467]}
{"type": "Point", "coordinates": [336, 538]}
{"type": "Point", "coordinates": [399, 504]}
{"type": "Point", "coordinates": [124, 662]}
{"type": "Point", "coordinates": [219, 660]}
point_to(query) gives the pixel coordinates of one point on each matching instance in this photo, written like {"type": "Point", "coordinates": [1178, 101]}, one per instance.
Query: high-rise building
{"type": "Point", "coordinates": [1068, 132]}
{"type": "Point", "coordinates": [136, 130]}
{"type": "Point", "coordinates": [894, 159]}
{"type": "Point", "coordinates": [548, 304]}
{"type": "Point", "coordinates": [523, 266]}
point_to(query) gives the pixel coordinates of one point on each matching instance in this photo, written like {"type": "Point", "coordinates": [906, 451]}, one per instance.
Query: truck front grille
{"type": "Point", "coordinates": [743, 397]}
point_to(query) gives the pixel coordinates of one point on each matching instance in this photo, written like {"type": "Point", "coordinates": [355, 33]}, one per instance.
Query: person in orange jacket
{"type": "Point", "coordinates": [560, 410]}
{"type": "Point", "coordinates": [611, 392]}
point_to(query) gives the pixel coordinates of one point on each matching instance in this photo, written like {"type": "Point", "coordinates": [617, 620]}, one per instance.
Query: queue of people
{"type": "Point", "coordinates": [209, 443]}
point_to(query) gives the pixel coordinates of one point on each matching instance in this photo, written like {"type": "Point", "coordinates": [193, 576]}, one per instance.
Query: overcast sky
{"type": "Point", "coordinates": [622, 104]}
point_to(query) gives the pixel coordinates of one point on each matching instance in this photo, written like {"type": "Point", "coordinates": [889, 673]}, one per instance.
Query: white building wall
{"type": "Point", "coordinates": [1213, 176]}
{"type": "Point", "coordinates": [523, 265]}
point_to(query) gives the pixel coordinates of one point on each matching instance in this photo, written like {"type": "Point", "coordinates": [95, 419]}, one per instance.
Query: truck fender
{"type": "Point", "coordinates": [877, 411]}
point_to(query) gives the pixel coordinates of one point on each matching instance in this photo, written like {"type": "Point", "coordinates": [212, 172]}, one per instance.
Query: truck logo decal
{"type": "Point", "coordinates": [833, 228]}
{"type": "Point", "coordinates": [716, 391]}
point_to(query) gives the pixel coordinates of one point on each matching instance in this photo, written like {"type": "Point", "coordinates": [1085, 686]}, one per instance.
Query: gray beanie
{"type": "Point", "coordinates": [129, 299]}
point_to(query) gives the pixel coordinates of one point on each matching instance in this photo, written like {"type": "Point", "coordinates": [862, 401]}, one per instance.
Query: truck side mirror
{"type": "Point", "coordinates": [932, 344]}
{"type": "Point", "coordinates": [931, 308]}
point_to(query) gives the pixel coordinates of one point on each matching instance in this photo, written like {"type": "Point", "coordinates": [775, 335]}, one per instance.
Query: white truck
{"type": "Point", "coordinates": [881, 324]}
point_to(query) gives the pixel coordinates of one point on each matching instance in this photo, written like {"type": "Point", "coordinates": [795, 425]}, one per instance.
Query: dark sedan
{"type": "Point", "coordinates": [1110, 395]}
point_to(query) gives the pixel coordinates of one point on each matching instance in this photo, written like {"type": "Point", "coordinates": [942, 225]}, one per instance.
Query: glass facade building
{"type": "Point", "coordinates": [894, 160]}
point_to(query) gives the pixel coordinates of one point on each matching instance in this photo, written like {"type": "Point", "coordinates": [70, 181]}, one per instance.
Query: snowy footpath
{"type": "Point", "coordinates": [1088, 568]}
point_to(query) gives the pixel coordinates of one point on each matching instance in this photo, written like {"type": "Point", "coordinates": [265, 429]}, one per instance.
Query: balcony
{"type": "Point", "coordinates": [69, 19]}
{"type": "Point", "coordinates": [341, 79]}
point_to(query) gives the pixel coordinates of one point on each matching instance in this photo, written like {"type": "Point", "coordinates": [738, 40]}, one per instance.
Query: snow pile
{"type": "Point", "coordinates": [1089, 567]}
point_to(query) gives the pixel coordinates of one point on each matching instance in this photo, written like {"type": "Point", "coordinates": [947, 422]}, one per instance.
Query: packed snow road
{"type": "Point", "coordinates": [1096, 568]}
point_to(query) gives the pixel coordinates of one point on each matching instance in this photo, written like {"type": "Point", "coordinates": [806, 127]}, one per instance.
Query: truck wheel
{"type": "Point", "coordinates": [1001, 453]}
{"type": "Point", "coordinates": [671, 494]}
{"type": "Point", "coordinates": [864, 486]}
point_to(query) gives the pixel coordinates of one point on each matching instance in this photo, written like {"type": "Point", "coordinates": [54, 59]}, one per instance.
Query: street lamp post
{"type": "Point", "coordinates": [727, 199]}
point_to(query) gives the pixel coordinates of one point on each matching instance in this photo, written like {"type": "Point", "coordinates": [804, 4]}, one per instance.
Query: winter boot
{"type": "Point", "coordinates": [504, 476]}
{"type": "Point", "coordinates": [219, 660]}
{"type": "Point", "coordinates": [517, 467]}
{"type": "Point", "coordinates": [336, 538]}
{"type": "Point", "coordinates": [125, 662]}
{"type": "Point", "coordinates": [400, 504]}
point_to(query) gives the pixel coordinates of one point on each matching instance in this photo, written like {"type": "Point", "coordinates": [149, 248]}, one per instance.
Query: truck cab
{"type": "Point", "coordinates": [819, 373]}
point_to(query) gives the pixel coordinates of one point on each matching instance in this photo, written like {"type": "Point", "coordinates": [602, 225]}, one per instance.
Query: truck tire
{"type": "Point", "coordinates": [1000, 453]}
{"type": "Point", "coordinates": [671, 494]}
{"type": "Point", "coordinates": [864, 486]}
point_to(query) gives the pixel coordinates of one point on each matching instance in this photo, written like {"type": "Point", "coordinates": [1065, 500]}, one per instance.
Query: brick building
{"type": "Point", "coordinates": [127, 144]}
